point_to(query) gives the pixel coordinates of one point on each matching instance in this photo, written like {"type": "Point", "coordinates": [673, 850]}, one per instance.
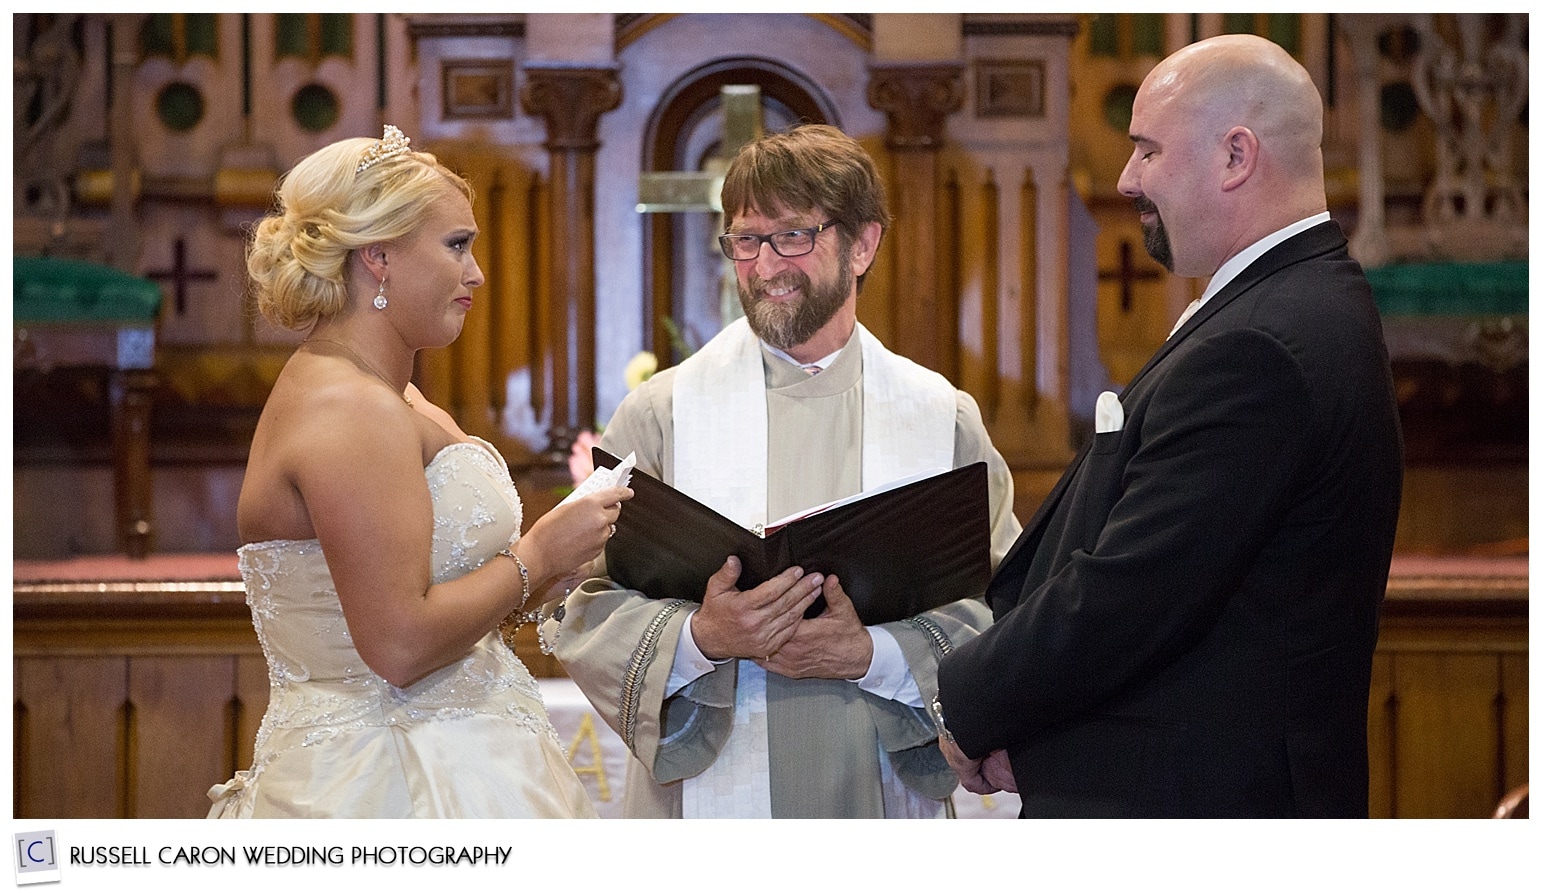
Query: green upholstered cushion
{"type": "Point", "coordinates": [49, 289]}
{"type": "Point", "coordinates": [1450, 289]}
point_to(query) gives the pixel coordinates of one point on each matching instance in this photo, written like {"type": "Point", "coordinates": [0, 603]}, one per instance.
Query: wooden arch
{"type": "Point", "coordinates": [693, 96]}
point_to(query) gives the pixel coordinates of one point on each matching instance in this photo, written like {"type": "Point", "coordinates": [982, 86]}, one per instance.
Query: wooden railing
{"type": "Point", "coordinates": [132, 698]}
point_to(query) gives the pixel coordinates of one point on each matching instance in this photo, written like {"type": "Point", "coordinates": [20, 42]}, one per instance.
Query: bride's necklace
{"type": "Point", "coordinates": [372, 369]}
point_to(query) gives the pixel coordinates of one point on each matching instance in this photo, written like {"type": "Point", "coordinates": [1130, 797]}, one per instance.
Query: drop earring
{"type": "Point", "coordinates": [380, 298]}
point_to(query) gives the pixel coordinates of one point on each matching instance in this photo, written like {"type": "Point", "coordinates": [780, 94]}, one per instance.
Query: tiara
{"type": "Point", "coordinates": [393, 142]}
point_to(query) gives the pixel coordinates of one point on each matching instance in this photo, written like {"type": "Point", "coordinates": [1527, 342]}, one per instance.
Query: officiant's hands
{"type": "Point", "coordinates": [834, 645]}
{"type": "Point", "coordinates": [753, 623]}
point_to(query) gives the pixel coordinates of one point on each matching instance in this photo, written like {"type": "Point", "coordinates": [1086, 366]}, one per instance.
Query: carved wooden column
{"type": "Point", "coordinates": [917, 99]}
{"type": "Point", "coordinates": [1369, 243]}
{"type": "Point", "coordinates": [570, 99]}
{"type": "Point", "coordinates": [133, 394]}
{"type": "Point", "coordinates": [123, 247]}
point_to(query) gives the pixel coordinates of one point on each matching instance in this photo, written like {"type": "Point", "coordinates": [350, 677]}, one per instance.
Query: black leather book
{"type": "Point", "coordinates": [897, 551]}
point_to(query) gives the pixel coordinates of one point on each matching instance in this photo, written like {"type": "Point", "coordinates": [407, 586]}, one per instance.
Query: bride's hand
{"type": "Point", "coordinates": [570, 536]}
{"type": "Point", "coordinates": [563, 586]}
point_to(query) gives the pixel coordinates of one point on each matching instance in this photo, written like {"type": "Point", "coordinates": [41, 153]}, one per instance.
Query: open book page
{"type": "Point", "coordinates": [620, 476]}
{"type": "Point", "coordinates": [836, 503]}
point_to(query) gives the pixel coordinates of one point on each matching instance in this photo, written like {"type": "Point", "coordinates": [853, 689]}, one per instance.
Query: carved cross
{"type": "Point", "coordinates": [1127, 274]}
{"type": "Point", "coordinates": [666, 192]}
{"type": "Point", "coordinates": [180, 275]}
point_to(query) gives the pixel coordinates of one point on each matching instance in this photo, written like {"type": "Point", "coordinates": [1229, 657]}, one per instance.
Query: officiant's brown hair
{"type": "Point", "coordinates": [806, 167]}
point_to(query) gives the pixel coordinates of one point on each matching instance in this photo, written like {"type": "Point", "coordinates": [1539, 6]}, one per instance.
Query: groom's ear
{"type": "Point", "coordinates": [1241, 157]}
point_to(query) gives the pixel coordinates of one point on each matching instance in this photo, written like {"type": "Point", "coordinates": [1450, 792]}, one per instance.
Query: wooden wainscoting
{"type": "Point", "coordinates": [132, 698]}
{"type": "Point", "coordinates": [1449, 699]}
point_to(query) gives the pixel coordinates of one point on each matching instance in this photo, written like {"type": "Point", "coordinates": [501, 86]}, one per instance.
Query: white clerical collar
{"type": "Point", "coordinates": [1242, 259]}
{"type": "Point", "coordinates": [823, 363]}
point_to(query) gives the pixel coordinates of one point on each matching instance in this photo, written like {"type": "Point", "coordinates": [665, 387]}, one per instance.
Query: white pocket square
{"type": "Point", "coordinates": [1109, 415]}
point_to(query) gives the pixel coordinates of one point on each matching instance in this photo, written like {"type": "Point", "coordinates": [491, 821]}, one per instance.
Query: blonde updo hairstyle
{"type": "Point", "coordinates": [326, 209]}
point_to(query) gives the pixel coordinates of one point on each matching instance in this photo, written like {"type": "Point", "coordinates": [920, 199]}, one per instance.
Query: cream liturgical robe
{"type": "Point", "coordinates": [830, 746]}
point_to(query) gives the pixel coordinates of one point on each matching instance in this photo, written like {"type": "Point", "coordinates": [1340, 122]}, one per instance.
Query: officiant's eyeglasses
{"type": "Point", "coordinates": [792, 243]}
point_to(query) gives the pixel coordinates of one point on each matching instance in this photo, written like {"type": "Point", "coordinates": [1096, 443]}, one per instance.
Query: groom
{"type": "Point", "coordinates": [1186, 627]}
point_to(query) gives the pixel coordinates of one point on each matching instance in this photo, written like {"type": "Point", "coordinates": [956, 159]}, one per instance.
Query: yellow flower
{"type": "Point", "coordinates": [640, 369]}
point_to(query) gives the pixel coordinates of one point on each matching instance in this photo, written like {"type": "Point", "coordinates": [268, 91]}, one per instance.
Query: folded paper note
{"type": "Point", "coordinates": [600, 478]}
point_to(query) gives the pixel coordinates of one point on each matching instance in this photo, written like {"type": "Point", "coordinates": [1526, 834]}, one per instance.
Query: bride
{"type": "Point", "coordinates": [383, 545]}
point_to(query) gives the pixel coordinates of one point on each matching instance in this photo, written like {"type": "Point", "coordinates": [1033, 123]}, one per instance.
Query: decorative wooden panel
{"type": "Point", "coordinates": [990, 299]}
{"type": "Point", "coordinates": [179, 732]}
{"type": "Point", "coordinates": [70, 716]}
{"type": "Point", "coordinates": [1445, 735]}
{"type": "Point", "coordinates": [1448, 725]}
{"type": "Point", "coordinates": [132, 699]}
{"type": "Point", "coordinates": [1028, 289]}
{"type": "Point", "coordinates": [134, 682]}
{"type": "Point", "coordinates": [246, 711]}
{"type": "Point", "coordinates": [1513, 677]}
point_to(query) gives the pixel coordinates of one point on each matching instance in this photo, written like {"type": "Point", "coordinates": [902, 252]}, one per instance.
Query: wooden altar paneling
{"type": "Point", "coordinates": [131, 699]}
{"type": "Point", "coordinates": [1515, 672]}
{"type": "Point", "coordinates": [1448, 708]}
{"type": "Point", "coordinates": [251, 701]}
{"type": "Point", "coordinates": [178, 733]}
{"type": "Point", "coordinates": [127, 696]}
{"type": "Point", "coordinates": [69, 713]}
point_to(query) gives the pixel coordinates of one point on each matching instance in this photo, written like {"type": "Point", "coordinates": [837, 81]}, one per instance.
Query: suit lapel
{"type": "Point", "coordinates": [1035, 527]}
{"type": "Point", "coordinates": [1316, 241]}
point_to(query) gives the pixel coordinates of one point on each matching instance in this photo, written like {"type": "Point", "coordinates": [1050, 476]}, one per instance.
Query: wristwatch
{"type": "Point", "coordinates": [935, 709]}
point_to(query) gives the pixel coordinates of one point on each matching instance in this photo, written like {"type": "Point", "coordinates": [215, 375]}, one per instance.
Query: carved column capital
{"type": "Point", "coordinates": [917, 99]}
{"type": "Point", "coordinates": [571, 99]}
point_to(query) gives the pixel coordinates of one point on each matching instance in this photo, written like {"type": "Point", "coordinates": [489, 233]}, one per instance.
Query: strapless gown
{"type": "Point", "coordinates": [471, 739]}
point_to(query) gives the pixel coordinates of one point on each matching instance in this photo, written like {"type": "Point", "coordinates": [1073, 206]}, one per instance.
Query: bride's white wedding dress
{"type": "Point", "coordinates": [471, 739]}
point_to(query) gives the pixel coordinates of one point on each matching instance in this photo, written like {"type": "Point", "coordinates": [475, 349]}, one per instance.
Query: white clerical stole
{"type": "Point", "coordinates": [908, 416]}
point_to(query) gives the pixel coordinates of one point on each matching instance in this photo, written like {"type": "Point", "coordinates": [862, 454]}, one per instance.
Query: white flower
{"type": "Point", "coordinates": [640, 368]}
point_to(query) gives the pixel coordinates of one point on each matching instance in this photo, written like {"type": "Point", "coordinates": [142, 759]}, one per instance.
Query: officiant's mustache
{"type": "Point", "coordinates": [790, 279]}
{"type": "Point", "coordinates": [788, 324]}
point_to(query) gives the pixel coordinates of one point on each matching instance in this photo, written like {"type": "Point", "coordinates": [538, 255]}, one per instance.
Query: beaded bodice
{"type": "Point", "coordinates": [320, 687]}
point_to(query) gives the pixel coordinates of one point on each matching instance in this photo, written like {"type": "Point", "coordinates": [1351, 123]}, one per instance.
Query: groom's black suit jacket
{"type": "Point", "coordinates": [1186, 626]}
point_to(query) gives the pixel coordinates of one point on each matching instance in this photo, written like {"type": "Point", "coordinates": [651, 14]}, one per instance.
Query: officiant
{"type": "Point", "coordinates": [734, 704]}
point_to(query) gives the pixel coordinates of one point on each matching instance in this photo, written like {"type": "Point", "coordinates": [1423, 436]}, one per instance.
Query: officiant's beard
{"type": "Point", "coordinates": [1157, 244]}
{"type": "Point", "coordinates": [785, 325]}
